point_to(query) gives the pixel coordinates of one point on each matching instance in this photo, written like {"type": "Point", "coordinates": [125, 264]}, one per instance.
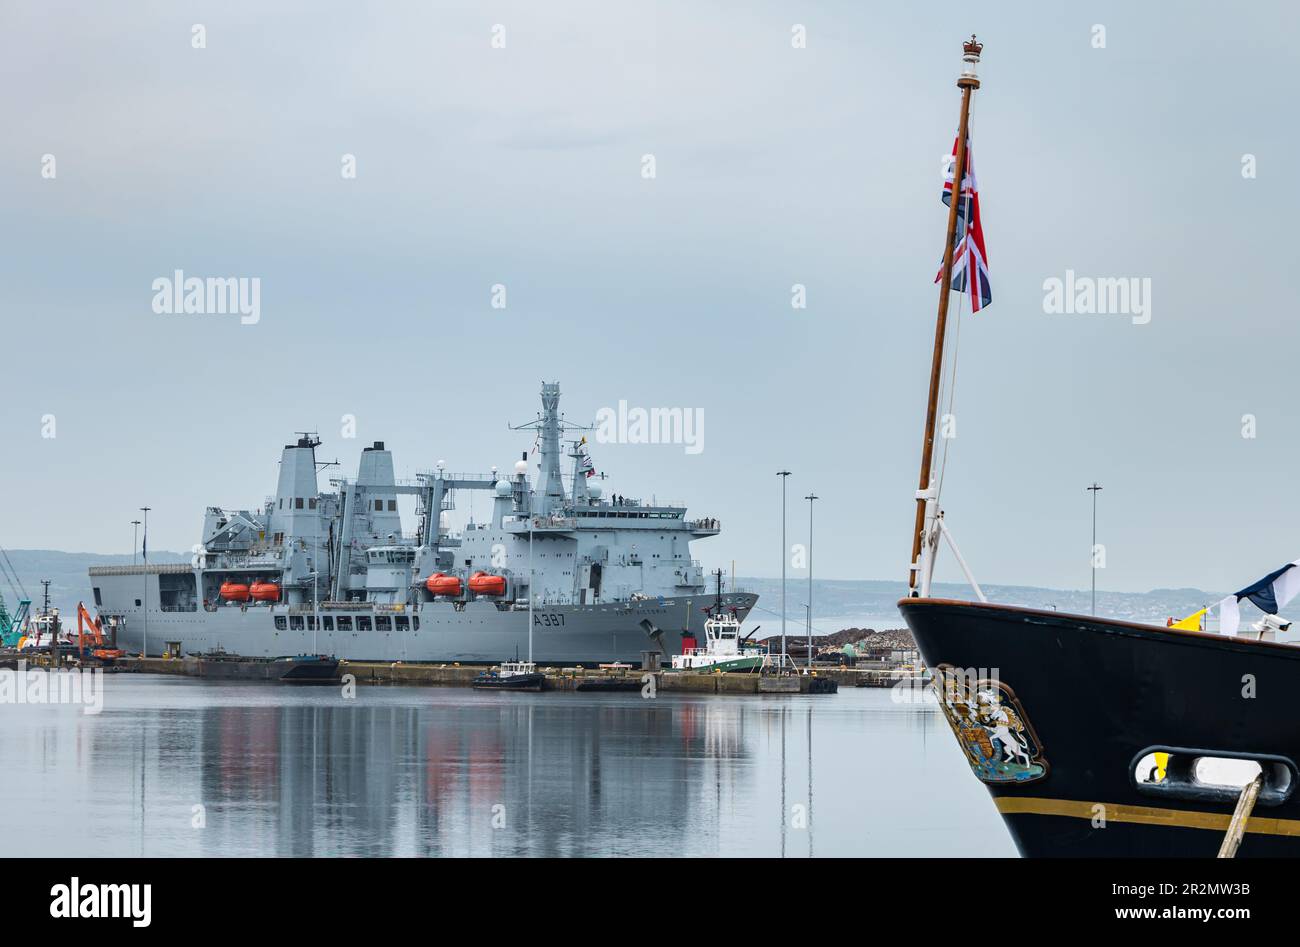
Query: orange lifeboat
{"type": "Point", "coordinates": [442, 584]}
{"type": "Point", "coordinates": [264, 592]}
{"type": "Point", "coordinates": [234, 591]}
{"type": "Point", "coordinates": [480, 583]}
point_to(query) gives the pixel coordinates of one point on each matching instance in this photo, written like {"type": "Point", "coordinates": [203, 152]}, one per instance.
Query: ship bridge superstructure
{"type": "Point", "coordinates": [348, 544]}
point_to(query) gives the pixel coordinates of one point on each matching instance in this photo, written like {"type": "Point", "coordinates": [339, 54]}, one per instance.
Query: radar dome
{"type": "Point", "coordinates": [521, 466]}
{"type": "Point", "coordinates": [503, 488]}
{"type": "Point", "coordinates": [593, 490]}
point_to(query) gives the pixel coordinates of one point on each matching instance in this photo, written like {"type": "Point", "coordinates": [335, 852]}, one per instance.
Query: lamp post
{"type": "Point", "coordinates": [784, 475]}
{"type": "Point", "coordinates": [144, 556]}
{"type": "Point", "coordinates": [810, 498]}
{"type": "Point", "coordinates": [530, 587]}
{"type": "Point", "coordinates": [1094, 490]}
{"type": "Point", "coordinates": [135, 539]}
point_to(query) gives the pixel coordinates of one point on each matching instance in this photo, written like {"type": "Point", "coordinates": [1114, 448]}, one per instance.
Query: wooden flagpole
{"type": "Point", "coordinates": [968, 83]}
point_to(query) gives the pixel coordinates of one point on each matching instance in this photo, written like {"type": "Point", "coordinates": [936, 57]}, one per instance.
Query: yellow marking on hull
{"type": "Point", "coordinates": [1143, 815]}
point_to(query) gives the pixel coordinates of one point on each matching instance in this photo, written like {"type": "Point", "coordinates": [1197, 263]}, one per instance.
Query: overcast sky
{"type": "Point", "coordinates": [774, 165]}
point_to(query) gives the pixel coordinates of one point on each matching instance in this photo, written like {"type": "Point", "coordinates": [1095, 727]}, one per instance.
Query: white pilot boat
{"type": "Point", "coordinates": [723, 650]}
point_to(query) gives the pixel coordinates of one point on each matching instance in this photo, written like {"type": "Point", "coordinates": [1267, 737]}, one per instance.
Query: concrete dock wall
{"type": "Point", "coordinates": [454, 675]}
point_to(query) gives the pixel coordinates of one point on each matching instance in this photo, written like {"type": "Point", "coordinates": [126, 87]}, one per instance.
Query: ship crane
{"type": "Point", "coordinates": [13, 626]}
{"type": "Point", "coordinates": [101, 651]}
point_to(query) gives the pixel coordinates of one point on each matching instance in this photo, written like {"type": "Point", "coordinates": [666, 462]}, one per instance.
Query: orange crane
{"type": "Point", "coordinates": [101, 651]}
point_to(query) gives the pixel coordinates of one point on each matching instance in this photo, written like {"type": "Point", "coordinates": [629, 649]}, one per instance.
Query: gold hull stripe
{"type": "Point", "coordinates": [1143, 815]}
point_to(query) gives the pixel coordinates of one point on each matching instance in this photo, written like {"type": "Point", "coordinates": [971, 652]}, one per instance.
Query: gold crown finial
{"type": "Point", "coordinates": [970, 58]}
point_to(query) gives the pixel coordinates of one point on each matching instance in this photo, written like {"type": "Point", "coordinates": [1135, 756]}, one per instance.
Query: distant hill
{"type": "Point", "coordinates": [871, 603]}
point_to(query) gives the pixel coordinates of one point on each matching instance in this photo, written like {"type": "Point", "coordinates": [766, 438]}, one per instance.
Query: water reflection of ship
{"type": "Point", "coordinates": [502, 777]}
{"type": "Point", "coordinates": [713, 729]}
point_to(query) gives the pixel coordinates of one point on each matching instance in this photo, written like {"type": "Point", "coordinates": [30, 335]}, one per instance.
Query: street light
{"type": "Point", "coordinates": [144, 555]}
{"type": "Point", "coordinates": [810, 498]}
{"type": "Point", "coordinates": [783, 474]}
{"type": "Point", "coordinates": [135, 539]}
{"type": "Point", "coordinates": [530, 588]}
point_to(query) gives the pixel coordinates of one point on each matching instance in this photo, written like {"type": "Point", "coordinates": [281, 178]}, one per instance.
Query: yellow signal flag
{"type": "Point", "coordinates": [1191, 622]}
{"type": "Point", "coordinates": [1162, 766]}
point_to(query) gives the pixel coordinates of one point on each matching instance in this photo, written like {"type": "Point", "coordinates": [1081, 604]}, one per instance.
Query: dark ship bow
{"type": "Point", "coordinates": [1067, 718]}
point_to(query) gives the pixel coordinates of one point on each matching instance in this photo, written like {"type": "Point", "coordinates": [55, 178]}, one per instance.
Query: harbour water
{"type": "Point", "coordinates": [177, 766]}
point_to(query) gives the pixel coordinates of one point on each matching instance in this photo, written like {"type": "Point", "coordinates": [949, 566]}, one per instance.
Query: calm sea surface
{"type": "Point", "coordinates": [447, 771]}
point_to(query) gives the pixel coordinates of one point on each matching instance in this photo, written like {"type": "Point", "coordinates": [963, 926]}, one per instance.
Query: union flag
{"type": "Point", "coordinates": [968, 255]}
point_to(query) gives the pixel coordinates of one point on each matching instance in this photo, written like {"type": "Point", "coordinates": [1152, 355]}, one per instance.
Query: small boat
{"type": "Point", "coordinates": [723, 649]}
{"type": "Point", "coordinates": [511, 676]}
{"type": "Point", "coordinates": [306, 669]}
{"type": "Point", "coordinates": [481, 583]}
{"type": "Point", "coordinates": [609, 685]}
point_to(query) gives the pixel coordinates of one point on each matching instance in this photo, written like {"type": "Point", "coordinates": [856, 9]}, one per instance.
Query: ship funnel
{"type": "Point", "coordinates": [296, 492]}
{"type": "Point", "coordinates": [377, 514]}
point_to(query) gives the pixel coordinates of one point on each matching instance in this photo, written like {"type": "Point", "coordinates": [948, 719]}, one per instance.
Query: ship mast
{"type": "Point", "coordinates": [922, 533]}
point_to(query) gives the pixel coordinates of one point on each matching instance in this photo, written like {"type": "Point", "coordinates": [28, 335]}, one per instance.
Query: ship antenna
{"type": "Point", "coordinates": [968, 82]}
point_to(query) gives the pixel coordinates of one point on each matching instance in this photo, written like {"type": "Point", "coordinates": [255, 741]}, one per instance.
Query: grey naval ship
{"type": "Point", "coordinates": [316, 572]}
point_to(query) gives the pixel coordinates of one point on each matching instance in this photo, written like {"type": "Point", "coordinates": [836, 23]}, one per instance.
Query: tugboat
{"type": "Point", "coordinates": [723, 650]}
{"type": "Point", "coordinates": [511, 676]}
{"type": "Point", "coordinates": [1097, 737]}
